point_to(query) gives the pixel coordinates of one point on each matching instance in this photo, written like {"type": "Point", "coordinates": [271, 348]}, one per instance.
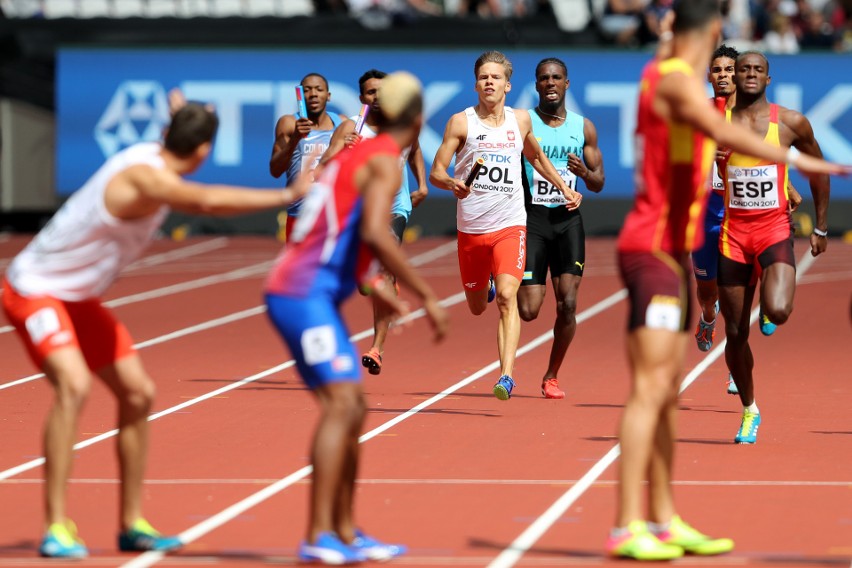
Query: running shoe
{"type": "Point", "coordinates": [61, 541]}
{"type": "Point", "coordinates": [747, 433]}
{"type": "Point", "coordinates": [142, 536]}
{"type": "Point", "coordinates": [640, 544]}
{"type": "Point", "coordinates": [372, 549]}
{"type": "Point", "coordinates": [503, 387]}
{"type": "Point", "coordinates": [492, 289]}
{"type": "Point", "coordinates": [693, 542]}
{"type": "Point", "coordinates": [705, 332]}
{"type": "Point", "coordinates": [766, 327]}
{"type": "Point", "coordinates": [732, 386]}
{"type": "Point", "coordinates": [372, 360]}
{"type": "Point", "coordinates": [329, 549]}
{"type": "Point", "coordinates": [550, 389]}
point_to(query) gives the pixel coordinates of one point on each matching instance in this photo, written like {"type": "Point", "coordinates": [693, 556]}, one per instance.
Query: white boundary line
{"type": "Point", "coordinates": [178, 253]}
{"type": "Point", "coordinates": [512, 554]}
{"type": "Point", "coordinates": [193, 533]}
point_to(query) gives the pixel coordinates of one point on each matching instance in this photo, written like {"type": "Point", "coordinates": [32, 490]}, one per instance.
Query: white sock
{"type": "Point", "coordinates": [619, 532]}
{"type": "Point", "coordinates": [752, 408]}
{"type": "Point", "coordinates": [707, 322]}
{"type": "Point", "coordinates": [659, 528]}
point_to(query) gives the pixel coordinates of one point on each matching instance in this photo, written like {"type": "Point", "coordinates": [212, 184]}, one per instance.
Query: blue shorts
{"type": "Point", "coordinates": [317, 338]}
{"type": "Point", "coordinates": [705, 261]}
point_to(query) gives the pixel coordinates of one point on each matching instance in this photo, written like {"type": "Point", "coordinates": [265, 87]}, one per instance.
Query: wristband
{"type": "Point", "coordinates": [666, 36]}
{"type": "Point", "coordinates": [820, 233]}
{"type": "Point", "coordinates": [792, 155]}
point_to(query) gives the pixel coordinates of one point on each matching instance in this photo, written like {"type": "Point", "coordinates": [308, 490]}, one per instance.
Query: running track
{"type": "Point", "coordinates": [462, 478]}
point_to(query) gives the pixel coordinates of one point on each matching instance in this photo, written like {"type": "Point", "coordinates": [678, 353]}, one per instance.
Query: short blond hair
{"type": "Point", "coordinates": [493, 57]}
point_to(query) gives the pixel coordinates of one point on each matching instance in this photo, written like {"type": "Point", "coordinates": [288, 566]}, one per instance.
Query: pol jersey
{"type": "Point", "coordinates": [81, 251]}
{"type": "Point", "coordinates": [496, 200]}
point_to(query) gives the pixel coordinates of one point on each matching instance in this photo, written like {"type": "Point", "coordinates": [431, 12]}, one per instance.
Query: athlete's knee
{"type": "Point", "coordinates": [139, 397]}
{"type": "Point", "coordinates": [477, 308]}
{"type": "Point", "coordinates": [567, 307]}
{"type": "Point", "coordinates": [736, 333]}
{"type": "Point", "coordinates": [528, 312]}
{"type": "Point", "coordinates": [72, 390]}
{"type": "Point", "coordinates": [347, 404]}
{"type": "Point", "coordinates": [507, 298]}
{"type": "Point", "coordinates": [779, 314]}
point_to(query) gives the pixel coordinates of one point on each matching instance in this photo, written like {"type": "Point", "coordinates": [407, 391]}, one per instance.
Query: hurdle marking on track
{"type": "Point", "coordinates": [541, 525]}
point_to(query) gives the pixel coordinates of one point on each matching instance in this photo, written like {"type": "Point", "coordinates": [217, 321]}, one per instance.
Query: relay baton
{"type": "Point", "coordinates": [300, 98]}
{"type": "Point", "coordinates": [362, 116]}
{"type": "Point", "coordinates": [478, 165]}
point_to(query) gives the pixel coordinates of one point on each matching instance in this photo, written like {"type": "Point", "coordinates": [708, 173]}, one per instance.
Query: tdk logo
{"type": "Point", "coordinates": [138, 112]}
{"type": "Point", "coordinates": [751, 172]}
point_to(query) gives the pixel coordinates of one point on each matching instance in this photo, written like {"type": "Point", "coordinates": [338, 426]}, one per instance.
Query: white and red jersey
{"type": "Point", "coordinates": [496, 200]}
{"type": "Point", "coordinates": [81, 251]}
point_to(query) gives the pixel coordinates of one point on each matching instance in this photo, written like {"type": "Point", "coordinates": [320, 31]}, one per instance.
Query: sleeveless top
{"type": "Point", "coordinates": [325, 256]}
{"type": "Point", "coordinates": [496, 200]}
{"type": "Point", "coordinates": [672, 166]}
{"type": "Point", "coordinates": [402, 202]}
{"type": "Point", "coordinates": [556, 143]}
{"type": "Point", "coordinates": [315, 140]}
{"type": "Point", "coordinates": [81, 251]}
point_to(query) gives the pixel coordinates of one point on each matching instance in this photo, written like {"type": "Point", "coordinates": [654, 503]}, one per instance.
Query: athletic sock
{"type": "Point", "coordinates": [659, 528]}
{"type": "Point", "coordinates": [707, 322]}
{"type": "Point", "coordinates": [619, 532]}
{"type": "Point", "coordinates": [752, 408]}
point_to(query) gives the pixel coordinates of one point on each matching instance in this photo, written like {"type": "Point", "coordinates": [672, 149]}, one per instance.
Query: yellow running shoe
{"type": "Point", "coordinates": [690, 540]}
{"type": "Point", "coordinates": [638, 543]}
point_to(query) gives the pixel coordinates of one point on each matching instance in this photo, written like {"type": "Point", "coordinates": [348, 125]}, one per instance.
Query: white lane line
{"type": "Point", "coordinates": [512, 554]}
{"type": "Point", "coordinates": [415, 481]}
{"type": "Point", "coordinates": [237, 274]}
{"type": "Point", "coordinates": [193, 533]}
{"type": "Point", "coordinates": [177, 254]}
{"type": "Point", "coordinates": [446, 302]}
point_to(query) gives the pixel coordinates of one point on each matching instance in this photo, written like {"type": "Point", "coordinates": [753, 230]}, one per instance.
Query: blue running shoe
{"type": "Point", "coordinates": [748, 429]}
{"type": "Point", "coordinates": [732, 386]}
{"type": "Point", "coordinates": [766, 327]}
{"type": "Point", "coordinates": [492, 289]}
{"type": "Point", "coordinates": [61, 541]}
{"type": "Point", "coordinates": [372, 549]}
{"type": "Point", "coordinates": [329, 549]}
{"type": "Point", "coordinates": [503, 387]}
{"type": "Point", "coordinates": [142, 537]}
{"type": "Point", "coordinates": [705, 332]}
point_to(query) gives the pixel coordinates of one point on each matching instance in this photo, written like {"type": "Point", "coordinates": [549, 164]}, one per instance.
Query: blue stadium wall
{"type": "Point", "coordinates": [107, 99]}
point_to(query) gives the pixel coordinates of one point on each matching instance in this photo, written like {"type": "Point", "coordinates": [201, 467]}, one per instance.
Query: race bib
{"type": "Point", "coordinates": [545, 193]}
{"type": "Point", "coordinates": [754, 188]}
{"type": "Point", "coordinates": [664, 312]}
{"type": "Point", "coordinates": [499, 175]}
{"type": "Point", "coordinates": [319, 344]}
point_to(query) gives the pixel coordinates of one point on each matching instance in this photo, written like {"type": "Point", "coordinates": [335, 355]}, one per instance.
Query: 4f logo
{"type": "Point", "coordinates": [481, 137]}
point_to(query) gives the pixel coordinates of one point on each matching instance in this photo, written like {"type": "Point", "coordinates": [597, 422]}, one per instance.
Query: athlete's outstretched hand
{"type": "Point", "coordinates": [811, 166]}
{"type": "Point", "coordinates": [438, 316]}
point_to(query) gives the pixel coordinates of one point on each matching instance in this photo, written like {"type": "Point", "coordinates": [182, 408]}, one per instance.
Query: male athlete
{"type": "Point", "coordinates": [676, 125]}
{"type": "Point", "coordinates": [298, 137]}
{"type": "Point", "coordinates": [319, 268]}
{"type": "Point", "coordinates": [51, 295]}
{"type": "Point", "coordinates": [758, 227]}
{"type": "Point", "coordinates": [555, 236]}
{"type": "Point", "coordinates": [491, 219]}
{"type": "Point", "coordinates": [345, 136]}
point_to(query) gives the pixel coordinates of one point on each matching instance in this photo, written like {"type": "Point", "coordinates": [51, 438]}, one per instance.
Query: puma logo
{"type": "Point", "coordinates": [580, 264]}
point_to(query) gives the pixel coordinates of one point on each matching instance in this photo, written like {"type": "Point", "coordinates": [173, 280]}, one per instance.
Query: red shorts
{"type": "Point", "coordinates": [743, 241]}
{"type": "Point", "coordinates": [500, 252]}
{"type": "Point", "coordinates": [46, 324]}
{"type": "Point", "coordinates": [658, 288]}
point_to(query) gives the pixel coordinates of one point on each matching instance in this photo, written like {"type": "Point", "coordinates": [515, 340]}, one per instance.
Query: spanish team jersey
{"type": "Point", "coordinates": [325, 255]}
{"type": "Point", "coordinates": [672, 166]}
{"type": "Point", "coordinates": [754, 187]}
{"type": "Point", "coordinates": [496, 199]}
{"type": "Point", "coordinates": [556, 143]}
{"type": "Point", "coordinates": [402, 201]}
{"type": "Point", "coordinates": [316, 141]}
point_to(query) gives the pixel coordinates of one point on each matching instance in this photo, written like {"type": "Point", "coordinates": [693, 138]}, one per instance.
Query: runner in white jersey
{"type": "Point", "coordinates": [490, 212]}
{"type": "Point", "coordinates": [51, 296]}
{"type": "Point", "coordinates": [405, 200]}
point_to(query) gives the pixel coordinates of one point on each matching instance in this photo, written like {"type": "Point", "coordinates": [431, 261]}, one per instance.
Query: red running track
{"type": "Point", "coordinates": [457, 475]}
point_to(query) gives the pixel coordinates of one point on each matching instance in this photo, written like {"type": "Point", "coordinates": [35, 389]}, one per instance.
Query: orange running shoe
{"type": "Point", "coordinates": [550, 388]}
{"type": "Point", "coordinates": [372, 361]}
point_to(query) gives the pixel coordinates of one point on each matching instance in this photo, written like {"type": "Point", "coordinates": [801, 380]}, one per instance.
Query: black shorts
{"type": "Point", "coordinates": [397, 225]}
{"type": "Point", "coordinates": [658, 288]}
{"type": "Point", "coordinates": [733, 273]}
{"type": "Point", "coordinates": [555, 240]}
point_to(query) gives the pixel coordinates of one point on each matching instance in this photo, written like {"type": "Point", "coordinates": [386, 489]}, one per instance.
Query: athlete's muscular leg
{"type": "Point", "coordinates": [708, 294]}
{"type": "Point", "coordinates": [382, 318]}
{"type": "Point", "coordinates": [509, 329]}
{"type": "Point", "coordinates": [565, 288]}
{"type": "Point", "coordinates": [344, 520]}
{"type": "Point", "coordinates": [530, 299]}
{"type": "Point", "coordinates": [477, 301]}
{"type": "Point", "coordinates": [134, 391]}
{"type": "Point", "coordinates": [777, 288]}
{"type": "Point", "coordinates": [71, 379]}
{"type": "Point", "coordinates": [735, 302]}
{"type": "Point", "coordinates": [343, 411]}
{"type": "Point", "coordinates": [647, 426]}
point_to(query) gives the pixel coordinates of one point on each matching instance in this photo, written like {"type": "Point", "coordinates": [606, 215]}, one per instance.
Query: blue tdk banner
{"type": "Point", "coordinates": [111, 98]}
